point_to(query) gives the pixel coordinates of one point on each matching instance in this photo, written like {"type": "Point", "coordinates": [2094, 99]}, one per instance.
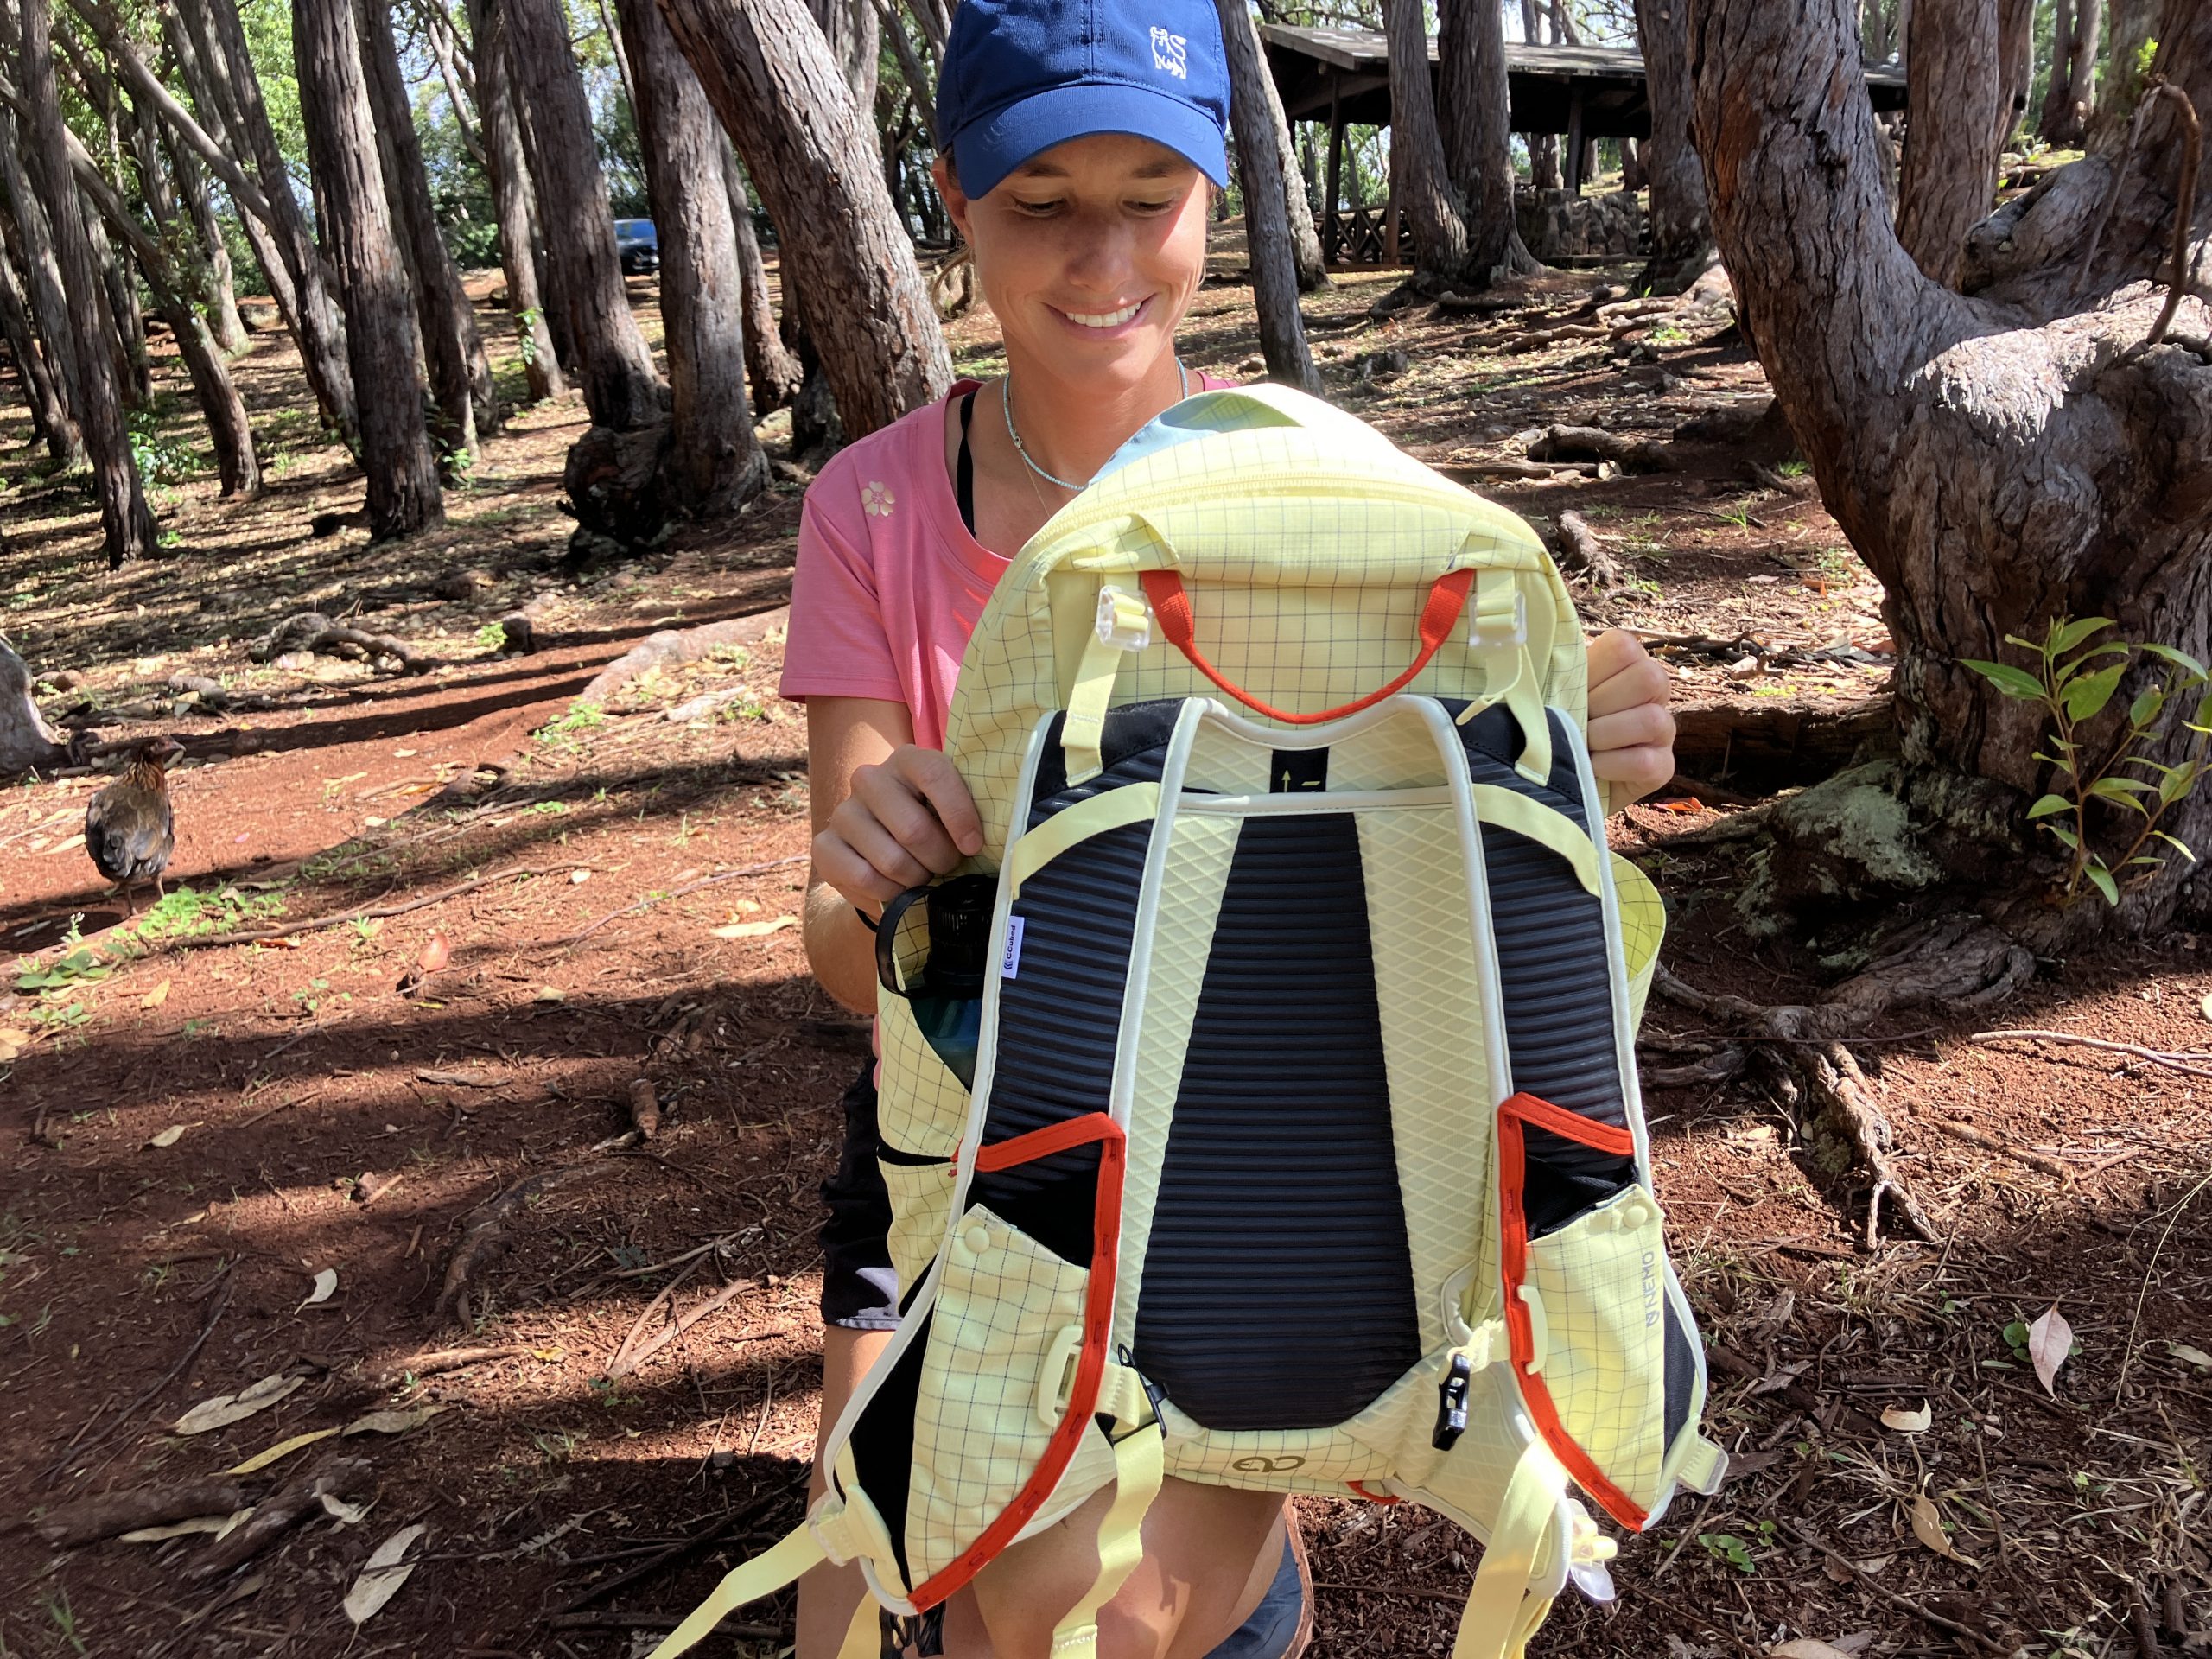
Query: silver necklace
{"type": "Point", "coordinates": [1005, 407]}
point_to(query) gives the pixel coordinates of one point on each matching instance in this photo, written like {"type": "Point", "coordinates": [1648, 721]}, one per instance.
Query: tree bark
{"type": "Point", "coordinates": [1264, 164]}
{"type": "Point", "coordinates": [1954, 95]}
{"type": "Point", "coordinates": [715, 462]}
{"type": "Point", "coordinates": [2016, 68]}
{"type": "Point", "coordinates": [1993, 473]}
{"type": "Point", "coordinates": [382, 341]}
{"type": "Point", "coordinates": [1681, 236]}
{"type": "Point", "coordinates": [2130, 27]}
{"type": "Point", "coordinates": [50, 421]}
{"type": "Point", "coordinates": [221, 286]}
{"type": "Point", "coordinates": [1419, 176]}
{"type": "Point", "coordinates": [461, 373]}
{"type": "Point", "coordinates": [769, 74]}
{"type": "Point", "coordinates": [125, 523]}
{"type": "Point", "coordinates": [853, 35]}
{"type": "Point", "coordinates": [1475, 125]}
{"type": "Point", "coordinates": [614, 368]}
{"type": "Point", "coordinates": [126, 328]}
{"type": "Point", "coordinates": [1252, 99]}
{"type": "Point", "coordinates": [318, 326]}
{"type": "Point", "coordinates": [773, 372]}
{"type": "Point", "coordinates": [509, 171]}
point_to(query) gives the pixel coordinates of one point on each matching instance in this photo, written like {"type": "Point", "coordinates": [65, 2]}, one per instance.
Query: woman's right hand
{"type": "Point", "coordinates": [903, 820]}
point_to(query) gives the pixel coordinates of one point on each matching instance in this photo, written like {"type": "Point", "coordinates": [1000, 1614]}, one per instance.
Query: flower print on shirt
{"type": "Point", "coordinates": [876, 499]}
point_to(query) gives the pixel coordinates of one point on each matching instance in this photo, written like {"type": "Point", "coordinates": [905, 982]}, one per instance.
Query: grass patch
{"type": "Point", "coordinates": [185, 912]}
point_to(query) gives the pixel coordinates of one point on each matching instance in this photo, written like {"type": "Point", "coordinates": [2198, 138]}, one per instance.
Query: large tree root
{"type": "Point", "coordinates": [673, 647]}
{"type": "Point", "coordinates": [335, 1476]}
{"type": "Point", "coordinates": [312, 632]}
{"type": "Point", "coordinates": [88, 1520]}
{"type": "Point", "coordinates": [484, 1237]}
{"type": "Point", "coordinates": [1800, 1049]}
{"type": "Point", "coordinates": [26, 743]}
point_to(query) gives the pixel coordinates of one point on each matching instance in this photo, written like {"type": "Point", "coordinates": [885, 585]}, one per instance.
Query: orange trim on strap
{"type": "Point", "coordinates": [1359, 1491]}
{"type": "Point", "coordinates": [1098, 1330]}
{"type": "Point", "coordinates": [1171, 607]}
{"type": "Point", "coordinates": [1513, 1264]}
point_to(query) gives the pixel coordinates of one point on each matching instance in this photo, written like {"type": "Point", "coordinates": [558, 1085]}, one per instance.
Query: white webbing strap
{"type": "Point", "coordinates": [1138, 1468]}
{"type": "Point", "coordinates": [1502, 1611]}
{"type": "Point", "coordinates": [762, 1575]}
{"type": "Point", "coordinates": [1123, 625]}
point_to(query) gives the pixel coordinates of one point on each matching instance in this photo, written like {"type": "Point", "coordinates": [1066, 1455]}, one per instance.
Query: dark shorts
{"type": "Point", "coordinates": [859, 1290]}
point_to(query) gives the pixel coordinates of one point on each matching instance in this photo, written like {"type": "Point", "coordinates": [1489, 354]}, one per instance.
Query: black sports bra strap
{"type": "Point", "coordinates": [964, 470]}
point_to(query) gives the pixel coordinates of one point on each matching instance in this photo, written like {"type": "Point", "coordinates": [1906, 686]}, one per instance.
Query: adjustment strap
{"type": "Point", "coordinates": [791, 1556]}
{"type": "Point", "coordinates": [1123, 625]}
{"type": "Point", "coordinates": [1138, 1468]}
{"type": "Point", "coordinates": [1499, 1617]}
{"type": "Point", "coordinates": [864, 1636]}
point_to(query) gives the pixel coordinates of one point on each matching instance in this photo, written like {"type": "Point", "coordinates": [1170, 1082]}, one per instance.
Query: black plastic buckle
{"type": "Point", "coordinates": [1452, 1404]}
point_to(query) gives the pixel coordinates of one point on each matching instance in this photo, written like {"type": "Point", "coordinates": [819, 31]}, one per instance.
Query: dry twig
{"type": "Point", "coordinates": [369, 913]}
{"type": "Point", "coordinates": [2154, 1056]}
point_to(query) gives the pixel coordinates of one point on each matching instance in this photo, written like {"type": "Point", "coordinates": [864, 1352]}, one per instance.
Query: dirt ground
{"type": "Point", "coordinates": [579, 903]}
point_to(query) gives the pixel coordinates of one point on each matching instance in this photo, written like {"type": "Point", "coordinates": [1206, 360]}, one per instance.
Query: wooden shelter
{"type": "Point", "coordinates": [1342, 76]}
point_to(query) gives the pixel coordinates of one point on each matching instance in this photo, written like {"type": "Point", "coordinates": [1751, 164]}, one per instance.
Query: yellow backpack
{"type": "Point", "coordinates": [1297, 992]}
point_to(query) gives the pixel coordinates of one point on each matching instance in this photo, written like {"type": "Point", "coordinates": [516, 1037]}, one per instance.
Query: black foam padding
{"type": "Point", "coordinates": [1132, 749]}
{"type": "Point", "coordinates": [883, 1439]}
{"type": "Point", "coordinates": [1278, 1283]}
{"type": "Point", "coordinates": [1553, 979]}
{"type": "Point", "coordinates": [1680, 1375]}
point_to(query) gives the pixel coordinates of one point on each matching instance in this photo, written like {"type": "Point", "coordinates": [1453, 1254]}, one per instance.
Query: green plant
{"type": "Point", "coordinates": [2074, 690]}
{"type": "Point", "coordinates": [583, 717]}
{"type": "Point", "coordinates": [1792, 469]}
{"type": "Point", "coordinates": [1727, 1548]}
{"type": "Point", "coordinates": [58, 1608]}
{"type": "Point", "coordinates": [184, 912]}
{"type": "Point", "coordinates": [492, 636]}
{"type": "Point", "coordinates": [1667, 334]}
{"type": "Point", "coordinates": [526, 321]}
{"type": "Point", "coordinates": [161, 459]}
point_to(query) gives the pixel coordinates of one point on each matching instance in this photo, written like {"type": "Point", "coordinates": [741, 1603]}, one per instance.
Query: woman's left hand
{"type": "Point", "coordinates": [1632, 735]}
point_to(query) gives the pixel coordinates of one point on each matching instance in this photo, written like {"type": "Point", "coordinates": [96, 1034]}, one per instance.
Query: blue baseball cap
{"type": "Point", "coordinates": [1021, 76]}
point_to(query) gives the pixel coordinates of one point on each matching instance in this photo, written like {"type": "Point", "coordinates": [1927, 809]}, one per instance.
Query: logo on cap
{"type": "Point", "coordinates": [1168, 52]}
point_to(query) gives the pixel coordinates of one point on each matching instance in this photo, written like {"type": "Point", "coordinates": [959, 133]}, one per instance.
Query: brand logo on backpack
{"type": "Point", "coordinates": [1282, 1465]}
{"type": "Point", "coordinates": [1298, 772]}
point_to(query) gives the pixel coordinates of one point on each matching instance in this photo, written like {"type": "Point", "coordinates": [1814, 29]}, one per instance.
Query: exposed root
{"type": "Point", "coordinates": [1581, 553]}
{"type": "Point", "coordinates": [334, 1477]}
{"type": "Point", "coordinates": [312, 632]}
{"type": "Point", "coordinates": [91, 1519]}
{"type": "Point", "coordinates": [484, 1237]}
{"type": "Point", "coordinates": [672, 647]}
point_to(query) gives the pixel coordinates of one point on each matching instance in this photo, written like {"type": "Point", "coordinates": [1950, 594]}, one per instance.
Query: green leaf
{"type": "Point", "coordinates": [2176, 782]}
{"type": "Point", "coordinates": [2073, 633]}
{"type": "Point", "coordinates": [2067, 836]}
{"type": "Point", "coordinates": [2012, 681]}
{"type": "Point", "coordinates": [2025, 645]}
{"type": "Point", "coordinates": [2141, 858]}
{"type": "Point", "coordinates": [2177, 843]}
{"type": "Point", "coordinates": [2145, 708]}
{"type": "Point", "coordinates": [2122, 791]}
{"type": "Point", "coordinates": [2066, 766]}
{"type": "Point", "coordinates": [2086, 697]}
{"type": "Point", "coordinates": [2048, 804]}
{"type": "Point", "coordinates": [2102, 879]}
{"type": "Point", "coordinates": [2180, 659]}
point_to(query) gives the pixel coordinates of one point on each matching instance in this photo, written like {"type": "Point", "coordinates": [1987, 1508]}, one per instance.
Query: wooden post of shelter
{"type": "Point", "coordinates": [1574, 141]}
{"type": "Point", "coordinates": [1332, 225]}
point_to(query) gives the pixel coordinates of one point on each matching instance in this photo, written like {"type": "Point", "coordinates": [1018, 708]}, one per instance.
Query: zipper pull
{"type": "Point", "coordinates": [1452, 1404]}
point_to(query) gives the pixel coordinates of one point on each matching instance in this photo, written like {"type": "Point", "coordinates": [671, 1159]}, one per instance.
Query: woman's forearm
{"type": "Point", "coordinates": [839, 948]}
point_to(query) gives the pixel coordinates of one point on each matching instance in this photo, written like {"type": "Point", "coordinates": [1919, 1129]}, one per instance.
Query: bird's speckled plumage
{"type": "Point", "coordinates": [130, 827]}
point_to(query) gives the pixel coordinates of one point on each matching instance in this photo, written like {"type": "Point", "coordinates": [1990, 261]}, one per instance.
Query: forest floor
{"type": "Point", "coordinates": [594, 901]}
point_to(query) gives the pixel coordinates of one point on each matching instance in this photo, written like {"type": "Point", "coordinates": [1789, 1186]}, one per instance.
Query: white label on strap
{"type": "Point", "coordinates": [1010, 964]}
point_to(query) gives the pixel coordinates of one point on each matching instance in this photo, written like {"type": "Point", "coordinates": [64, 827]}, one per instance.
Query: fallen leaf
{"type": "Point", "coordinates": [176, 1529]}
{"type": "Point", "coordinates": [2207, 1005]}
{"type": "Point", "coordinates": [168, 1137]}
{"type": "Point", "coordinates": [261, 1460]}
{"type": "Point", "coordinates": [552, 993]}
{"type": "Point", "coordinates": [436, 954]}
{"type": "Point", "coordinates": [745, 907]}
{"type": "Point", "coordinates": [386, 1570]}
{"type": "Point", "coordinates": [752, 930]}
{"type": "Point", "coordinates": [326, 1283]}
{"type": "Point", "coordinates": [1857, 1642]}
{"type": "Point", "coordinates": [1805, 1647]}
{"type": "Point", "coordinates": [155, 998]}
{"type": "Point", "coordinates": [227, 1408]}
{"type": "Point", "coordinates": [1906, 1422]}
{"type": "Point", "coordinates": [13, 1042]}
{"type": "Point", "coordinates": [579, 877]}
{"type": "Point", "coordinates": [346, 1514]}
{"type": "Point", "coordinates": [1928, 1526]}
{"type": "Point", "coordinates": [77, 839]}
{"type": "Point", "coordinates": [2196, 1356]}
{"type": "Point", "coordinates": [462, 1079]}
{"type": "Point", "coordinates": [393, 1422]}
{"type": "Point", "coordinates": [2050, 1340]}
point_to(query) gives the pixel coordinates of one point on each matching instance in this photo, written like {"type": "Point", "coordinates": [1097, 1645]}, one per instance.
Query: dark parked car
{"type": "Point", "coordinates": [638, 244]}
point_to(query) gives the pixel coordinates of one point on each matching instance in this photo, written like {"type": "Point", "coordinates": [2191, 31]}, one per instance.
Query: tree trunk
{"type": "Point", "coordinates": [223, 320]}
{"type": "Point", "coordinates": [1264, 163]}
{"type": "Point", "coordinates": [33, 250]}
{"type": "Point", "coordinates": [769, 74]}
{"type": "Point", "coordinates": [1252, 99]}
{"type": "Point", "coordinates": [548, 275]}
{"type": "Point", "coordinates": [508, 169]}
{"type": "Point", "coordinates": [382, 341]}
{"type": "Point", "coordinates": [715, 462]}
{"type": "Point", "coordinates": [854, 35]}
{"type": "Point", "coordinates": [1953, 97]}
{"type": "Point", "coordinates": [2073, 72]}
{"type": "Point", "coordinates": [461, 373]}
{"type": "Point", "coordinates": [2130, 27]}
{"type": "Point", "coordinates": [125, 522]}
{"type": "Point", "coordinates": [319, 328]}
{"type": "Point", "coordinates": [50, 421]}
{"type": "Point", "coordinates": [1420, 179]}
{"type": "Point", "coordinates": [773, 372]}
{"type": "Point", "coordinates": [613, 366]}
{"type": "Point", "coordinates": [1993, 473]}
{"type": "Point", "coordinates": [1476, 127]}
{"type": "Point", "coordinates": [126, 325]}
{"type": "Point", "coordinates": [2016, 67]}
{"type": "Point", "coordinates": [1681, 236]}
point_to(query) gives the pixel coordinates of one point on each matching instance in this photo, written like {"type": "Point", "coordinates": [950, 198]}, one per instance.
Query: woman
{"type": "Point", "coordinates": [1085, 138]}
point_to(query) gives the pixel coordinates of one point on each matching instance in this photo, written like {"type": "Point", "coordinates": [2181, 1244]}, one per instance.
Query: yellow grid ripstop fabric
{"type": "Point", "coordinates": [1307, 557]}
{"type": "Point", "coordinates": [1603, 1281]}
{"type": "Point", "coordinates": [1002, 1306]}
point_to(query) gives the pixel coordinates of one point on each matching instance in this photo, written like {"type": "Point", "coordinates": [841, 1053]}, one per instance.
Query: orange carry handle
{"type": "Point", "coordinates": [1171, 605]}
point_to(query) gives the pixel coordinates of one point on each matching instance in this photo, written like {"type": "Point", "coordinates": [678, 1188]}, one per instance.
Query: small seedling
{"type": "Point", "coordinates": [491, 636]}
{"type": "Point", "coordinates": [1728, 1549]}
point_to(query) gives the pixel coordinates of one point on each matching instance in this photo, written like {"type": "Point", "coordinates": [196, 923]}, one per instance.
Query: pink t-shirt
{"type": "Point", "coordinates": [890, 582]}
